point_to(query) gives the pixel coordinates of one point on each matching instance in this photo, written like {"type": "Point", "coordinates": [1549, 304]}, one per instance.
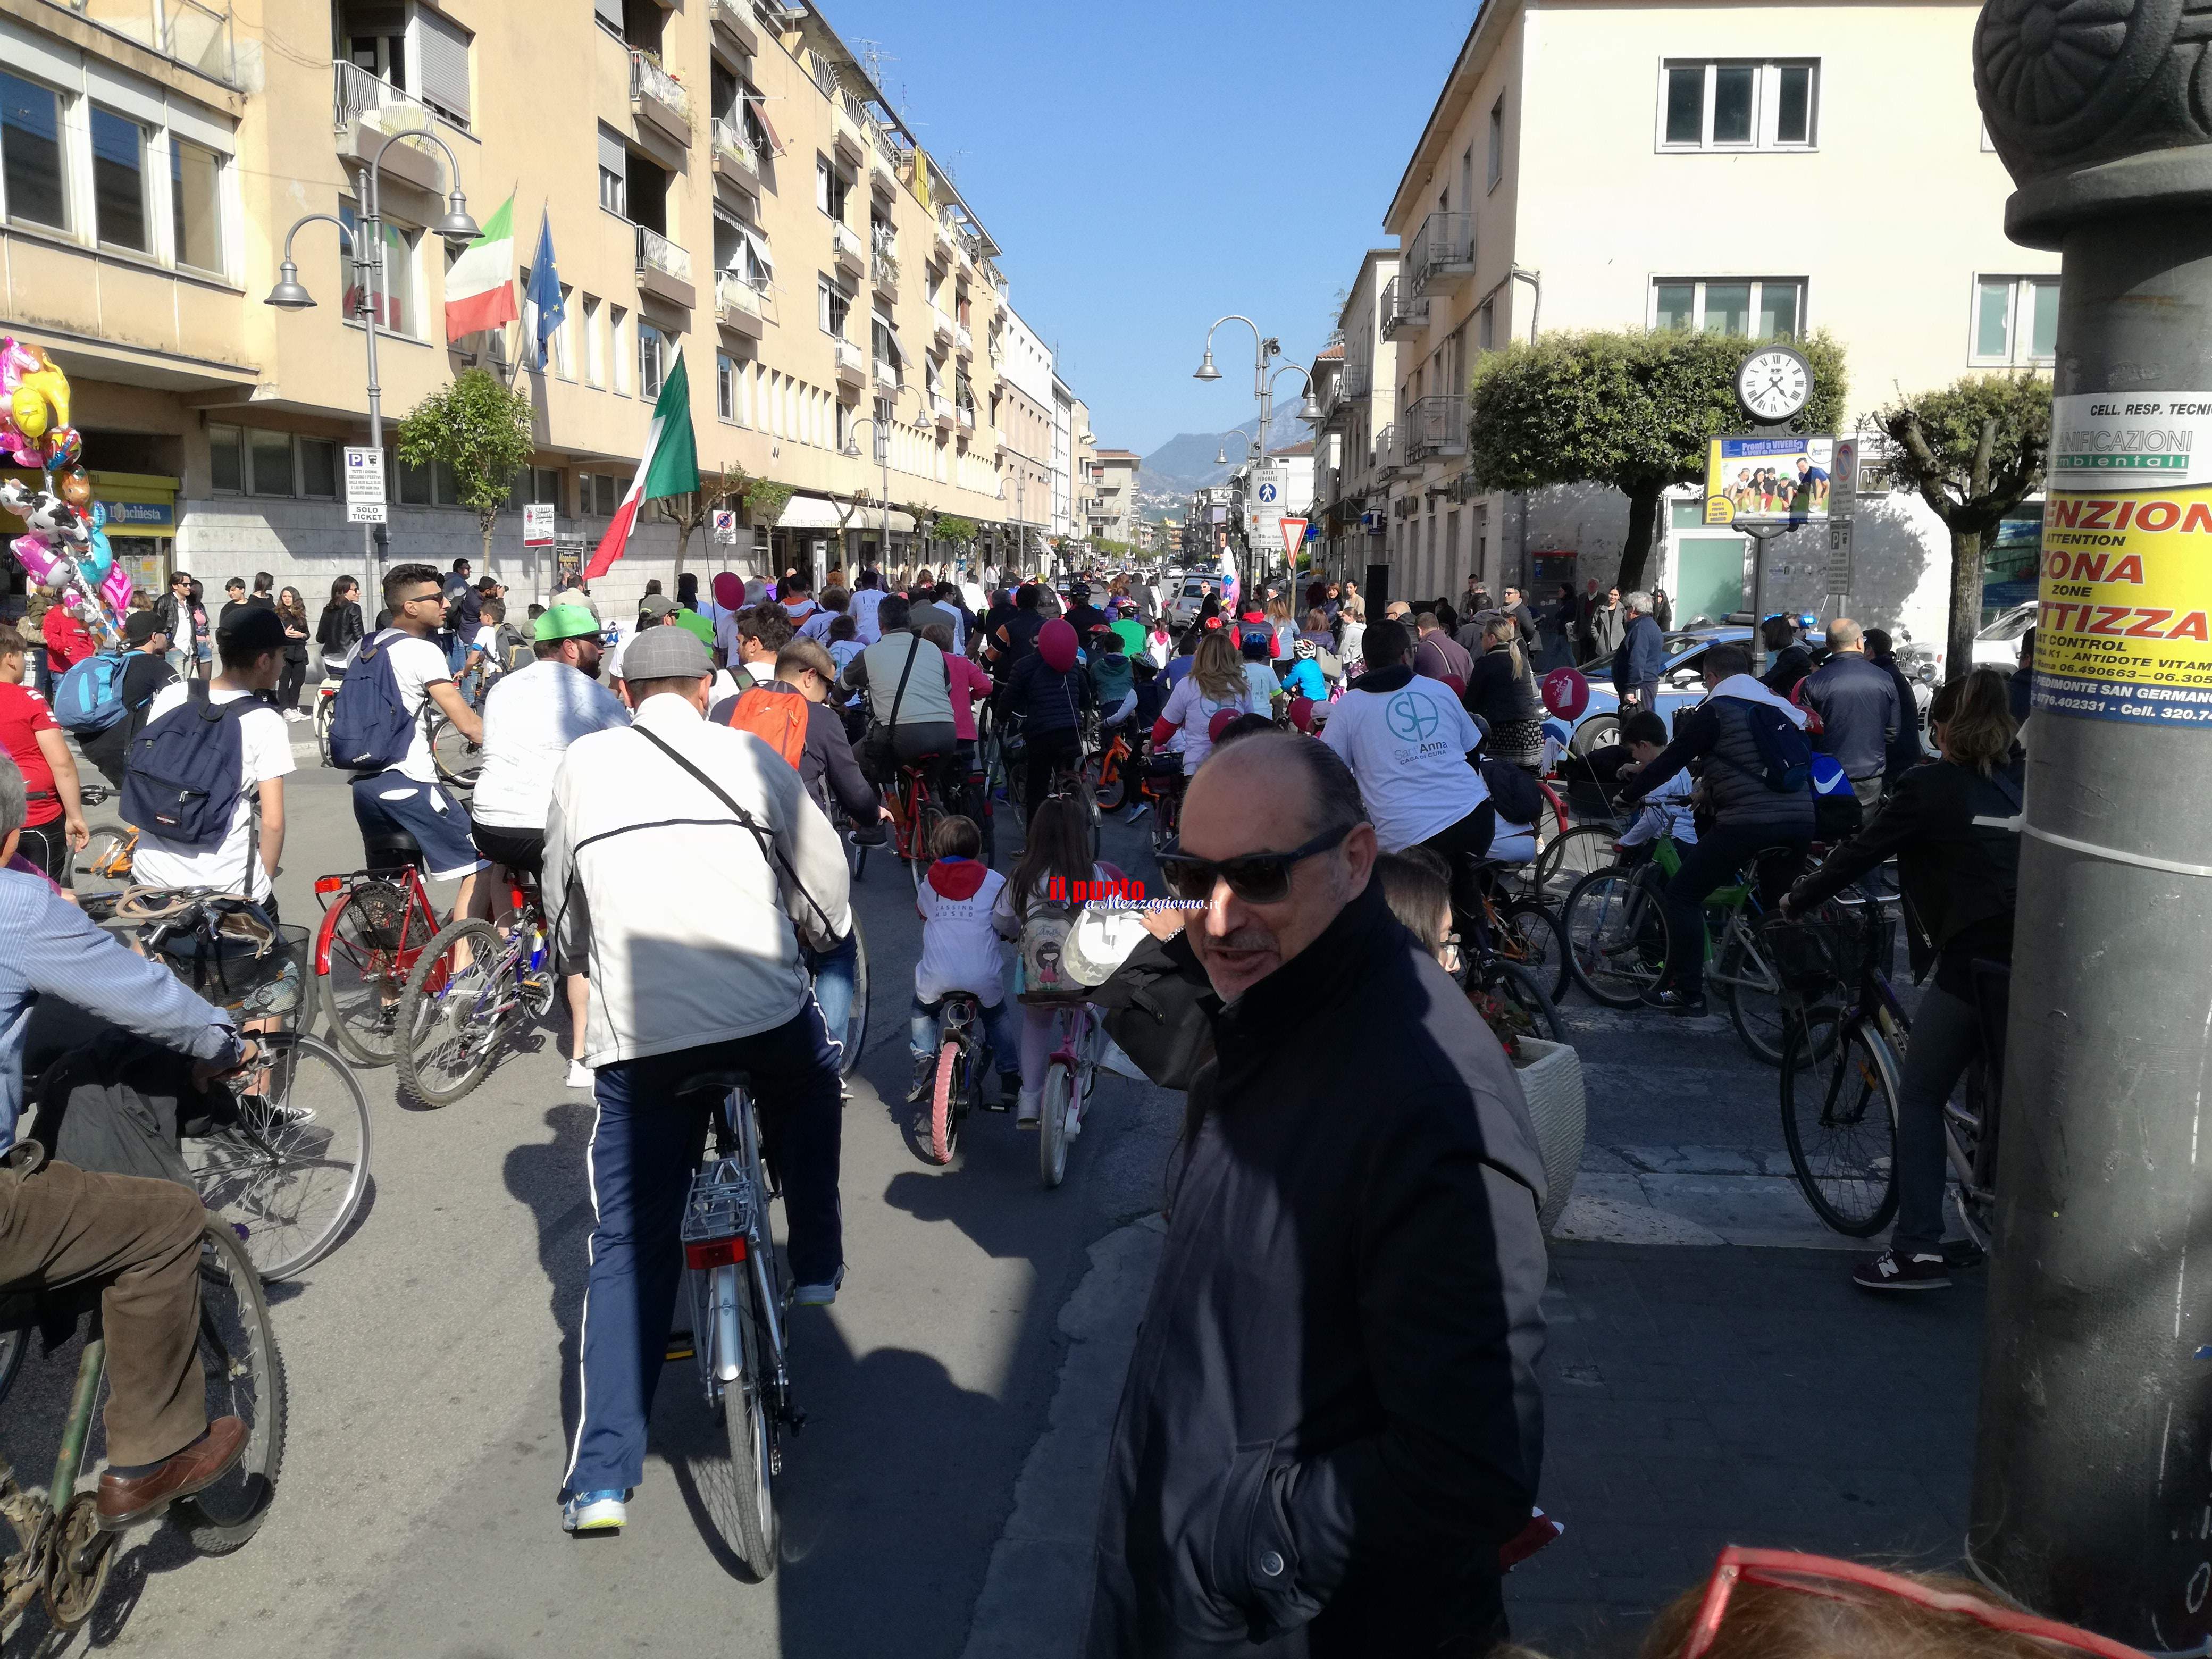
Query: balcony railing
{"type": "Point", "coordinates": [357, 92]}
{"type": "Point", "coordinates": [1442, 251]}
{"type": "Point", "coordinates": [660, 96]}
{"type": "Point", "coordinates": [963, 340]}
{"type": "Point", "coordinates": [887, 375]}
{"type": "Point", "coordinates": [1402, 307]}
{"type": "Point", "coordinates": [185, 31]}
{"type": "Point", "coordinates": [657, 253]}
{"type": "Point", "coordinates": [851, 359]}
{"type": "Point", "coordinates": [846, 243]}
{"type": "Point", "coordinates": [967, 416]}
{"type": "Point", "coordinates": [731, 145]}
{"type": "Point", "coordinates": [1384, 456]}
{"type": "Point", "coordinates": [1436, 426]}
{"type": "Point", "coordinates": [737, 301]}
{"type": "Point", "coordinates": [1353, 382]}
{"type": "Point", "coordinates": [738, 18]}
{"type": "Point", "coordinates": [940, 326]}
{"type": "Point", "coordinates": [942, 409]}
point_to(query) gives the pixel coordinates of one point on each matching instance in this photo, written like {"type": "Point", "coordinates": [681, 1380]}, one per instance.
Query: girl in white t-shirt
{"type": "Point", "coordinates": [1057, 853]}
{"type": "Point", "coordinates": [1216, 683]}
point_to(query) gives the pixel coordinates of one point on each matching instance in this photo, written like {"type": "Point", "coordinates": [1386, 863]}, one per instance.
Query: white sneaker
{"type": "Point", "coordinates": [594, 1512]}
{"type": "Point", "coordinates": [293, 716]}
{"type": "Point", "coordinates": [580, 1075]}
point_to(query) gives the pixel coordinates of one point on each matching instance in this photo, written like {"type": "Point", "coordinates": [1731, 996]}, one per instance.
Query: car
{"type": "Point", "coordinates": [1681, 683]}
{"type": "Point", "coordinates": [1184, 602]}
{"type": "Point", "coordinates": [1997, 646]}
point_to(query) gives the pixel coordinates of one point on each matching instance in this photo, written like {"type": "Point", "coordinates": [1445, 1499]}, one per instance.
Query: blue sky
{"type": "Point", "coordinates": [1149, 168]}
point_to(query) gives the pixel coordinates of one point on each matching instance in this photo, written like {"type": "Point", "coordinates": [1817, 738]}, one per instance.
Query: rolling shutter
{"type": "Point", "coordinates": [613, 157]}
{"type": "Point", "coordinates": [442, 60]}
{"type": "Point", "coordinates": [609, 12]}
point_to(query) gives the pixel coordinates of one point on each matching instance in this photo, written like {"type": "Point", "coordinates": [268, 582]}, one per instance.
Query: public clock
{"type": "Point", "coordinates": [1773, 383]}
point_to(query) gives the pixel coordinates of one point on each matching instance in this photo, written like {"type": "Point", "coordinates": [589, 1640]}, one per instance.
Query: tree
{"type": "Point", "coordinates": [1631, 410]}
{"type": "Point", "coordinates": [691, 510]}
{"type": "Point", "coordinates": [1974, 451]}
{"type": "Point", "coordinates": [480, 431]}
{"type": "Point", "coordinates": [847, 513]}
{"type": "Point", "coordinates": [765, 501]}
{"type": "Point", "coordinates": [924, 526]}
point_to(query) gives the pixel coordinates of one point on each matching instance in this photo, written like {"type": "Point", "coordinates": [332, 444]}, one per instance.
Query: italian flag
{"type": "Point", "coordinates": [480, 288]}
{"type": "Point", "coordinates": [670, 467]}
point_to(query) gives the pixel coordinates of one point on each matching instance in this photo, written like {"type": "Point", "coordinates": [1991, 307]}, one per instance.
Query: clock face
{"type": "Point", "coordinates": [1774, 384]}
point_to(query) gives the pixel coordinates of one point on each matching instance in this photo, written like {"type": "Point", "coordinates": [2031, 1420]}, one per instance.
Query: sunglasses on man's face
{"type": "Point", "coordinates": [1255, 878]}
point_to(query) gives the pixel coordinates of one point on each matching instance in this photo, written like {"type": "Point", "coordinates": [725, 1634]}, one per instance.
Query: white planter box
{"type": "Point", "coordinates": [1551, 1075]}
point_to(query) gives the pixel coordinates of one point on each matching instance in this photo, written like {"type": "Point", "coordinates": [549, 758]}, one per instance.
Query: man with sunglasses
{"type": "Point", "coordinates": [1331, 1423]}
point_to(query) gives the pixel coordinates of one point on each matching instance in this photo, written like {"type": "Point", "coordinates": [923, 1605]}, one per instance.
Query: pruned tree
{"type": "Point", "coordinates": [692, 510]}
{"type": "Point", "coordinates": [765, 501]}
{"type": "Point", "coordinates": [925, 525]}
{"type": "Point", "coordinates": [479, 430]}
{"type": "Point", "coordinates": [1974, 451]}
{"type": "Point", "coordinates": [1632, 410]}
{"type": "Point", "coordinates": [847, 512]}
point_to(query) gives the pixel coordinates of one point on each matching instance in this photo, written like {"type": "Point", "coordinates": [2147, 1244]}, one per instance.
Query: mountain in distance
{"type": "Point", "coordinates": [1185, 462]}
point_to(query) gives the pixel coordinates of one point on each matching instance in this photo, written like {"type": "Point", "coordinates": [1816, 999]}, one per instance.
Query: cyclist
{"type": "Point", "coordinates": [1667, 808]}
{"type": "Point", "coordinates": [909, 694]}
{"type": "Point", "coordinates": [960, 952]}
{"type": "Point", "coordinates": [146, 670]}
{"type": "Point", "coordinates": [1215, 683]}
{"type": "Point", "coordinates": [1741, 731]}
{"type": "Point", "coordinates": [1014, 634]}
{"type": "Point", "coordinates": [705, 982]}
{"type": "Point", "coordinates": [1057, 849]}
{"type": "Point", "coordinates": [1952, 825]}
{"type": "Point", "coordinates": [1049, 691]}
{"type": "Point", "coordinates": [530, 718]}
{"type": "Point", "coordinates": [1860, 712]}
{"type": "Point", "coordinates": [969, 684]}
{"type": "Point", "coordinates": [415, 679]}
{"type": "Point", "coordinates": [33, 739]}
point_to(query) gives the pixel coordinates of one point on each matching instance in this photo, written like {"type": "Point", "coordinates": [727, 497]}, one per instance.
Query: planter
{"type": "Point", "coordinates": [1551, 1075]}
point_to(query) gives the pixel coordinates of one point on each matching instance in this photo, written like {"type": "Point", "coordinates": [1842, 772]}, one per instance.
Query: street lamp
{"type": "Point", "coordinates": [883, 443]}
{"type": "Point", "coordinates": [454, 225]}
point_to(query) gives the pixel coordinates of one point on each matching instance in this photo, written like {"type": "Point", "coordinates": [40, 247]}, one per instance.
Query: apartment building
{"type": "Point", "coordinates": [1023, 412]}
{"type": "Point", "coordinates": [1083, 455]}
{"type": "Point", "coordinates": [1111, 511]}
{"type": "Point", "coordinates": [1356, 390]}
{"type": "Point", "coordinates": [722, 181]}
{"type": "Point", "coordinates": [1669, 165]}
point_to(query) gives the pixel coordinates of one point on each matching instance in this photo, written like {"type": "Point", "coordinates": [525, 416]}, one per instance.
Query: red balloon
{"type": "Point", "coordinates": [1566, 693]}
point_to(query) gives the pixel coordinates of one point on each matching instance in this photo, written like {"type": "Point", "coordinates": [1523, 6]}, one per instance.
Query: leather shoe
{"type": "Point", "coordinates": [125, 1503]}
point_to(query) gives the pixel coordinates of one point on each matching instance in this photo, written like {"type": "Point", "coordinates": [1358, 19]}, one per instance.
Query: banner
{"type": "Point", "coordinates": [1786, 480]}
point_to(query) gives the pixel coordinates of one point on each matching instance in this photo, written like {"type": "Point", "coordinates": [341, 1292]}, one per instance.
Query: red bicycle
{"type": "Point", "coordinates": [377, 922]}
{"type": "Point", "coordinates": [915, 814]}
{"type": "Point", "coordinates": [1111, 785]}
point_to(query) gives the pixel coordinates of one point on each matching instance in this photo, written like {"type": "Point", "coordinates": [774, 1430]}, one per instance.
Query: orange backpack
{"type": "Point", "coordinates": [777, 717]}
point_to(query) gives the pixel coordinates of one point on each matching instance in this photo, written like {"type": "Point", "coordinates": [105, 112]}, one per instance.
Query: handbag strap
{"type": "Point", "coordinates": [914, 649]}
{"type": "Point", "coordinates": [761, 831]}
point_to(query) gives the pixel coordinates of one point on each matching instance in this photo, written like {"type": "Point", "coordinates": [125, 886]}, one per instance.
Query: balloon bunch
{"type": "Point", "coordinates": [65, 548]}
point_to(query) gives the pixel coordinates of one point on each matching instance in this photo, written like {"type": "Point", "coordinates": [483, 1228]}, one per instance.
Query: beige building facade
{"type": "Point", "coordinates": [1112, 511]}
{"type": "Point", "coordinates": [1676, 165]}
{"type": "Point", "coordinates": [1358, 394]}
{"type": "Point", "coordinates": [722, 181]}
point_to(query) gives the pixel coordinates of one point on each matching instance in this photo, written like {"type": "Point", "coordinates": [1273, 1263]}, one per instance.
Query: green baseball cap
{"type": "Point", "coordinates": [566, 622]}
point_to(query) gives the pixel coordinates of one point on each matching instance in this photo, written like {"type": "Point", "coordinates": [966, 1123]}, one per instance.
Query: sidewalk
{"type": "Point", "coordinates": [1695, 1398]}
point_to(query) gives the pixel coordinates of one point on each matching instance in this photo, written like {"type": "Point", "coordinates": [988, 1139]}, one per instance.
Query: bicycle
{"type": "Point", "coordinates": [458, 760]}
{"type": "Point", "coordinates": [1071, 1075]}
{"type": "Point", "coordinates": [326, 703]}
{"type": "Point", "coordinates": [103, 866]}
{"type": "Point", "coordinates": [956, 1086]}
{"type": "Point", "coordinates": [738, 1301]}
{"type": "Point", "coordinates": [63, 1556]}
{"type": "Point", "coordinates": [1111, 788]}
{"type": "Point", "coordinates": [452, 1021]}
{"type": "Point", "coordinates": [915, 815]}
{"type": "Point", "coordinates": [377, 923]}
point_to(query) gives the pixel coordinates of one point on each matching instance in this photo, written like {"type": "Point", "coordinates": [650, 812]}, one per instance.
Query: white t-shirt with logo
{"type": "Point", "coordinates": [1408, 749]}
{"type": "Point", "coordinates": [265, 752]}
{"type": "Point", "coordinates": [1191, 708]}
{"type": "Point", "coordinates": [530, 718]}
{"type": "Point", "coordinates": [862, 609]}
{"type": "Point", "coordinates": [416, 666]}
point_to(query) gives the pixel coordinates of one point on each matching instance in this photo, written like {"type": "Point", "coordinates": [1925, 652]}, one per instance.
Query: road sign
{"type": "Point", "coordinates": [1843, 479]}
{"type": "Point", "coordinates": [725, 525]}
{"type": "Point", "coordinates": [1840, 556]}
{"type": "Point", "coordinates": [1294, 537]}
{"type": "Point", "coordinates": [364, 477]}
{"type": "Point", "coordinates": [538, 524]}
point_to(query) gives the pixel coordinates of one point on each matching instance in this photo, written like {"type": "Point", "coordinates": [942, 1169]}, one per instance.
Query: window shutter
{"type": "Point", "coordinates": [610, 12]}
{"type": "Point", "coordinates": [443, 49]}
{"type": "Point", "coordinates": [613, 158]}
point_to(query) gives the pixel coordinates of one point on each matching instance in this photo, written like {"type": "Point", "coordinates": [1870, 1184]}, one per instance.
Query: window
{"type": "Point", "coordinates": [614, 174]}
{"type": "Point", "coordinates": [1770, 309]}
{"type": "Point", "coordinates": [2015, 320]}
{"type": "Point", "coordinates": [545, 484]}
{"type": "Point", "coordinates": [319, 469]}
{"type": "Point", "coordinates": [1496, 141]}
{"type": "Point", "coordinates": [564, 362]}
{"type": "Point", "coordinates": [1737, 106]}
{"type": "Point", "coordinates": [270, 454]}
{"type": "Point", "coordinates": [614, 317]}
{"type": "Point", "coordinates": [831, 187]}
{"type": "Point", "coordinates": [119, 180]}
{"type": "Point", "coordinates": [606, 495]}
{"type": "Point", "coordinates": [725, 387]}
{"type": "Point", "coordinates": [226, 459]}
{"type": "Point", "coordinates": [398, 312]}
{"type": "Point", "coordinates": [1486, 326]}
{"type": "Point", "coordinates": [195, 206]}
{"type": "Point", "coordinates": [414, 485]}
{"type": "Point", "coordinates": [31, 153]}
{"type": "Point", "coordinates": [834, 305]}
{"type": "Point", "coordinates": [651, 358]}
{"type": "Point", "coordinates": [594, 364]}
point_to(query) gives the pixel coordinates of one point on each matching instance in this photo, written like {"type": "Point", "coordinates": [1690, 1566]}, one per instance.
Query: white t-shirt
{"type": "Point", "coordinates": [960, 950]}
{"type": "Point", "coordinates": [487, 640]}
{"type": "Point", "coordinates": [862, 610]}
{"type": "Point", "coordinates": [1408, 749]}
{"type": "Point", "coordinates": [265, 752]}
{"type": "Point", "coordinates": [1265, 686]}
{"type": "Point", "coordinates": [816, 626]}
{"type": "Point", "coordinates": [416, 666]}
{"type": "Point", "coordinates": [530, 718]}
{"type": "Point", "coordinates": [1189, 707]}
{"type": "Point", "coordinates": [726, 635]}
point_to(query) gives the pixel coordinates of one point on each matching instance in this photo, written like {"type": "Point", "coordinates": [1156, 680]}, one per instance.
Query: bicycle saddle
{"type": "Point", "coordinates": [715, 1083]}
{"type": "Point", "coordinates": [393, 850]}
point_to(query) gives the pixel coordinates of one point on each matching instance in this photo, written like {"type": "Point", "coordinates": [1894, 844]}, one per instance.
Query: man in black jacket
{"type": "Point", "coordinates": [1331, 1422]}
{"type": "Point", "coordinates": [1641, 656]}
{"type": "Point", "coordinates": [1857, 702]}
{"type": "Point", "coordinates": [1905, 751]}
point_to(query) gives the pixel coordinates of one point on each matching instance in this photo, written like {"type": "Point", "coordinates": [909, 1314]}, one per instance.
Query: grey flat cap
{"type": "Point", "coordinates": [665, 653]}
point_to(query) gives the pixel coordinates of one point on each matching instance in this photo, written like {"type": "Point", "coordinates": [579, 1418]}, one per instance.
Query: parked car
{"type": "Point", "coordinates": [1183, 602]}
{"type": "Point", "coordinates": [1681, 683]}
{"type": "Point", "coordinates": [1997, 646]}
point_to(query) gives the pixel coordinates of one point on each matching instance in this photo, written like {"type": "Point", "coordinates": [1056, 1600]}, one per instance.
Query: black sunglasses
{"type": "Point", "coordinates": [1255, 878]}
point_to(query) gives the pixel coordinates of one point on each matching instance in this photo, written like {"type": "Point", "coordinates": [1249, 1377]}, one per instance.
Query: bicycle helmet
{"type": "Point", "coordinates": [1056, 644]}
{"type": "Point", "coordinates": [1307, 649]}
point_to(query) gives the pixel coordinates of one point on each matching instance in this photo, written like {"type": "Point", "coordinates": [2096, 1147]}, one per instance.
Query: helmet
{"type": "Point", "coordinates": [1807, 620]}
{"type": "Point", "coordinates": [1057, 645]}
{"type": "Point", "coordinates": [1306, 648]}
{"type": "Point", "coordinates": [566, 622]}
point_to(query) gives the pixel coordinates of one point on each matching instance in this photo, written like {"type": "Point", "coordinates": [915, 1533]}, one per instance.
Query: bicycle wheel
{"type": "Point", "coordinates": [290, 1172]}
{"type": "Point", "coordinates": [751, 1428]}
{"type": "Point", "coordinates": [245, 1377]}
{"type": "Point", "coordinates": [1566, 860]}
{"type": "Point", "coordinates": [856, 1022]}
{"type": "Point", "coordinates": [451, 1019]}
{"type": "Point", "coordinates": [1052, 1123]}
{"type": "Point", "coordinates": [324, 708]}
{"type": "Point", "coordinates": [1840, 1121]}
{"type": "Point", "coordinates": [1616, 936]}
{"type": "Point", "coordinates": [1520, 999]}
{"type": "Point", "coordinates": [1534, 939]}
{"type": "Point", "coordinates": [945, 1104]}
{"type": "Point", "coordinates": [1752, 991]}
{"type": "Point", "coordinates": [12, 1346]}
{"type": "Point", "coordinates": [367, 931]}
{"type": "Point", "coordinates": [1111, 792]}
{"type": "Point", "coordinates": [458, 760]}
{"type": "Point", "coordinates": [103, 866]}
{"type": "Point", "coordinates": [928, 816]}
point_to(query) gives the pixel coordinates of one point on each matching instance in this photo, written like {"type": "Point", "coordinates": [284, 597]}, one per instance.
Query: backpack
{"type": "Point", "coordinates": [185, 771]}
{"type": "Point", "coordinates": [778, 718]}
{"type": "Point", "coordinates": [1837, 815]}
{"type": "Point", "coordinates": [1786, 755]}
{"type": "Point", "coordinates": [1519, 800]}
{"type": "Point", "coordinates": [370, 726]}
{"type": "Point", "coordinates": [514, 650]}
{"type": "Point", "coordinates": [89, 699]}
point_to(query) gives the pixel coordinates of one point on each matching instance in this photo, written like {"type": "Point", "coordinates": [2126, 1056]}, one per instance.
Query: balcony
{"type": "Point", "coordinates": [940, 327]}
{"type": "Point", "coordinates": [658, 98]}
{"type": "Point", "coordinates": [183, 31]}
{"type": "Point", "coordinates": [852, 362]}
{"type": "Point", "coordinates": [962, 340]}
{"type": "Point", "coordinates": [1353, 382]}
{"type": "Point", "coordinates": [1436, 426]}
{"type": "Point", "coordinates": [945, 239]}
{"type": "Point", "coordinates": [736, 162]}
{"type": "Point", "coordinates": [737, 305]}
{"type": "Point", "coordinates": [941, 409]}
{"type": "Point", "coordinates": [968, 417]}
{"type": "Point", "coordinates": [365, 110]}
{"type": "Point", "coordinates": [1403, 310]}
{"type": "Point", "coordinates": [883, 273]}
{"type": "Point", "coordinates": [851, 254]}
{"type": "Point", "coordinates": [887, 379]}
{"type": "Point", "coordinates": [852, 130]}
{"type": "Point", "coordinates": [1442, 256]}
{"type": "Point", "coordinates": [664, 269]}
{"type": "Point", "coordinates": [734, 20]}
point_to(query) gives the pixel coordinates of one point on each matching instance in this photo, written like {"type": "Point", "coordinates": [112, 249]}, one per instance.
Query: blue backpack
{"type": "Point", "coordinates": [1785, 752]}
{"type": "Point", "coordinates": [89, 699]}
{"type": "Point", "coordinates": [186, 771]}
{"type": "Point", "coordinates": [370, 727]}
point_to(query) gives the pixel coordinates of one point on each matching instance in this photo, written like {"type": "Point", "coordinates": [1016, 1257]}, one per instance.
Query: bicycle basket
{"type": "Point", "coordinates": [1812, 956]}
{"type": "Point", "coordinates": [239, 963]}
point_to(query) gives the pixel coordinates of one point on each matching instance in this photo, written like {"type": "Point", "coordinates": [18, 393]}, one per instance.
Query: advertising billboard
{"type": "Point", "coordinates": [1786, 480]}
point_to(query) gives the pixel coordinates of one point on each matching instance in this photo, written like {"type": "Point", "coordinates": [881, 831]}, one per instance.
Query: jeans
{"type": "Point", "coordinates": [998, 1026]}
{"type": "Point", "coordinates": [1710, 864]}
{"type": "Point", "coordinates": [835, 975]}
{"type": "Point", "coordinates": [1462, 846]}
{"type": "Point", "coordinates": [1946, 1035]}
{"type": "Point", "coordinates": [645, 1147]}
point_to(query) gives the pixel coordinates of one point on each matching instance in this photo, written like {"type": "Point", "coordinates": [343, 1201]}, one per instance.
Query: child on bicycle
{"type": "Point", "coordinates": [1667, 808]}
{"type": "Point", "coordinates": [1113, 679]}
{"type": "Point", "coordinates": [1058, 851]}
{"type": "Point", "coordinates": [959, 902]}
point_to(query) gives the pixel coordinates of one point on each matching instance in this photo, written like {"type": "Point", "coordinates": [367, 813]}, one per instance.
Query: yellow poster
{"type": "Point", "coordinates": [1768, 480]}
{"type": "Point", "coordinates": [2121, 630]}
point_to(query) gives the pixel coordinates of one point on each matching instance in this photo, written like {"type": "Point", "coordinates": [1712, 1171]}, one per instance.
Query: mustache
{"type": "Point", "coordinates": [1244, 939]}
